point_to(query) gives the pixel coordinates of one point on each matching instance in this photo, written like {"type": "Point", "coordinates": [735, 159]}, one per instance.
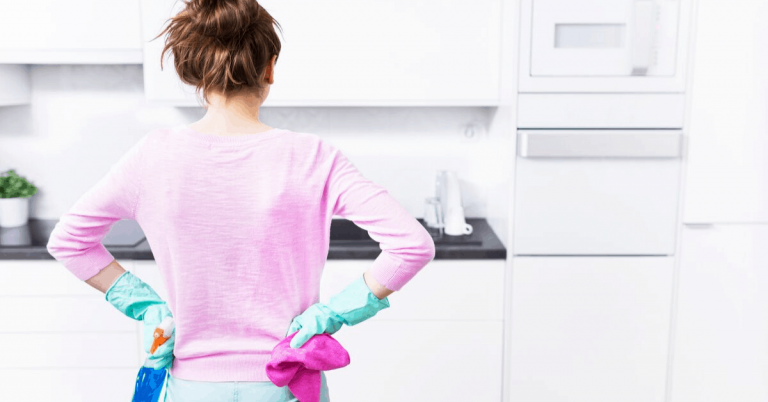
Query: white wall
{"type": "Point", "coordinates": [83, 117]}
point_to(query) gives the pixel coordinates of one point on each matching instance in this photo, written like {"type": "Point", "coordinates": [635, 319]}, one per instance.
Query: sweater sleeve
{"type": "Point", "coordinates": [76, 238]}
{"type": "Point", "coordinates": [406, 245]}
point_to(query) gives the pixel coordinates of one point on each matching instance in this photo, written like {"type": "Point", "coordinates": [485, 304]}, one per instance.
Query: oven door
{"type": "Point", "coordinates": [596, 192]}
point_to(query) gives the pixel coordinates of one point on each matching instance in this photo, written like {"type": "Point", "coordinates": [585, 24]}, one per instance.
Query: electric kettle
{"type": "Point", "coordinates": [449, 196]}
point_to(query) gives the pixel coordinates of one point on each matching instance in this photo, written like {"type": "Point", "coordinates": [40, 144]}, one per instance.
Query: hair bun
{"type": "Point", "coordinates": [236, 61]}
{"type": "Point", "coordinates": [223, 18]}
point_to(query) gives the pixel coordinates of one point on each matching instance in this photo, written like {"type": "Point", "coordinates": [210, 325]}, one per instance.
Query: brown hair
{"type": "Point", "coordinates": [222, 45]}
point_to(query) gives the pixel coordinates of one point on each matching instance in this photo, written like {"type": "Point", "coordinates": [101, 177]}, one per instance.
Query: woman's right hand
{"type": "Point", "coordinates": [315, 320]}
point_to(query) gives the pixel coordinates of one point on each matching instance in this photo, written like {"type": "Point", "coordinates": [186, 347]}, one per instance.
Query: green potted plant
{"type": "Point", "coordinates": [15, 192]}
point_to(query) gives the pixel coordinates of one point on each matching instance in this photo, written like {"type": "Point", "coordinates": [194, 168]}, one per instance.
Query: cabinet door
{"type": "Point", "coordinates": [419, 360]}
{"type": "Point", "coordinates": [68, 384]}
{"type": "Point", "coordinates": [588, 329]}
{"type": "Point", "coordinates": [15, 86]}
{"type": "Point", "coordinates": [81, 31]}
{"type": "Point", "coordinates": [721, 347]}
{"type": "Point", "coordinates": [58, 320]}
{"type": "Point", "coordinates": [728, 154]}
{"type": "Point", "coordinates": [430, 295]}
{"type": "Point", "coordinates": [345, 52]}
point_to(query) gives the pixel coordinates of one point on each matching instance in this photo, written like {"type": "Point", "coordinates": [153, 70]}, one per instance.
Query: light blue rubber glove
{"type": "Point", "coordinates": [353, 305]}
{"type": "Point", "coordinates": [137, 300]}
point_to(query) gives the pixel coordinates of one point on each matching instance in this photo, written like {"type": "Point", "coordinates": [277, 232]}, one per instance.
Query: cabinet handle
{"type": "Point", "coordinates": [643, 36]}
{"type": "Point", "coordinates": [699, 225]}
{"type": "Point", "coordinates": [599, 143]}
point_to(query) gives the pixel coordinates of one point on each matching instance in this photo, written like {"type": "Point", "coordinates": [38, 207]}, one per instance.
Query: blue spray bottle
{"type": "Point", "coordinates": [150, 382]}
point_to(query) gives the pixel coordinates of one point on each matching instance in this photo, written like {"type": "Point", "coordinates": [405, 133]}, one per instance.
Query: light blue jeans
{"type": "Point", "coordinates": [178, 390]}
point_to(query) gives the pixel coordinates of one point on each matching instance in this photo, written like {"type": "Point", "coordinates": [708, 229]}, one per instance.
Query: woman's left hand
{"type": "Point", "coordinates": [163, 356]}
{"type": "Point", "coordinates": [137, 300]}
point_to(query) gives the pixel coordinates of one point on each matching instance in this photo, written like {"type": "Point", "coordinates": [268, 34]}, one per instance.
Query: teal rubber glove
{"type": "Point", "coordinates": [353, 305]}
{"type": "Point", "coordinates": [137, 300]}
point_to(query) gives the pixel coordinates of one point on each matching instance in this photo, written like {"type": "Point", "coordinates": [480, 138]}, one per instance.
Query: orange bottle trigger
{"type": "Point", "coordinates": [162, 333]}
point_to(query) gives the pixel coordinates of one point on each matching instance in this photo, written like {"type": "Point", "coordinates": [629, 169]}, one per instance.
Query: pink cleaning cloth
{"type": "Point", "coordinates": [299, 368]}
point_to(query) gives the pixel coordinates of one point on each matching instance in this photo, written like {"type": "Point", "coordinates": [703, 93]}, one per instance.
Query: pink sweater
{"type": "Point", "coordinates": [239, 227]}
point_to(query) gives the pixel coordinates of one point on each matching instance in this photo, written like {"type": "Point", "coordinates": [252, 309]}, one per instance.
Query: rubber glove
{"type": "Point", "coordinates": [137, 300]}
{"type": "Point", "coordinates": [353, 305]}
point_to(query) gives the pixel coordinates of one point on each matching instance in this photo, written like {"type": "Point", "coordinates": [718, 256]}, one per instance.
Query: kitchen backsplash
{"type": "Point", "coordinates": [82, 118]}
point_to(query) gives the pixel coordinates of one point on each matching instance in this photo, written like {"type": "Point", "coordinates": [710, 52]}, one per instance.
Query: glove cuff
{"type": "Point", "coordinates": [356, 303]}
{"type": "Point", "coordinates": [132, 296]}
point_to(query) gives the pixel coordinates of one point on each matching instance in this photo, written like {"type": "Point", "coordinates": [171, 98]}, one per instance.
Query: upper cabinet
{"type": "Point", "coordinates": [603, 45]}
{"type": "Point", "coordinates": [15, 86]}
{"type": "Point", "coordinates": [352, 53]}
{"type": "Point", "coordinates": [70, 32]}
{"type": "Point", "coordinates": [728, 153]}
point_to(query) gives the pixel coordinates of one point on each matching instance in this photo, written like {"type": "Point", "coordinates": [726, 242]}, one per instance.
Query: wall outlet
{"type": "Point", "coordinates": [472, 132]}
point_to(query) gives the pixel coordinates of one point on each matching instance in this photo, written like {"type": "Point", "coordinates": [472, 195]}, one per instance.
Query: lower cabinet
{"type": "Point", "coordinates": [68, 384]}
{"type": "Point", "coordinates": [441, 339]}
{"type": "Point", "coordinates": [590, 329]}
{"type": "Point", "coordinates": [721, 335]}
{"type": "Point", "coordinates": [424, 360]}
{"type": "Point", "coordinates": [61, 340]}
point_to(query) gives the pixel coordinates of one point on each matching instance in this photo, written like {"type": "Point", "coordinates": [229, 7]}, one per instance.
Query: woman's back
{"type": "Point", "coordinates": [239, 227]}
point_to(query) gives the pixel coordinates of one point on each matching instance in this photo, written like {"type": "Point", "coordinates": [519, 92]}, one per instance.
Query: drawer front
{"type": "Point", "coordinates": [63, 350]}
{"type": "Point", "coordinates": [442, 290]}
{"type": "Point", "coordinates": [62, 314]}
{"type": "Point", "coordinates": [68, 385]}
{"type": "Point", "coordinates": [431, 360]}
{"type": "Point", "coordinates": [587, 329]}
{"type": "Point", "coordinates": [613, 194]}
{"type": "Point", "coordinates": [44, 278]}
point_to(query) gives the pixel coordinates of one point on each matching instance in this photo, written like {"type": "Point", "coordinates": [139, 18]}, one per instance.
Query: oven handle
{"type": "Point", "coordinates": [599, 143]}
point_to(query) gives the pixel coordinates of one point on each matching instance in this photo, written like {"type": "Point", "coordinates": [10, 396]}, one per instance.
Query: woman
{"type": "Point", "coordinates": [237, 214]}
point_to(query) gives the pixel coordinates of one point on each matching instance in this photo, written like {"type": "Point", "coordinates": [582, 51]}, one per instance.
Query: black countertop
{"type": "Point", "coordinates": [126, 240]}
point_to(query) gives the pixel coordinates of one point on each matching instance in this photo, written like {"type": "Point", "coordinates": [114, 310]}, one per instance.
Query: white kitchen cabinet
{"type": "Point", "coordinates": [586, 329]}
{"type": "Point", "coordinates": [596, 192]}
{"type": "Point", "coordinates": [603, 45]}
{"type": "Point", "coordinates": [721, 334]}
{"type": "Point", "coordinates": [440, 339]}
{"type": "Point", "coordinates": [43, 278]}
{"type": "Point", "coordinates": [68, 384]}
{"type": "Point", "coordinates": [15, 85]}
{"type": "Point", "coordinates": [420, 360]}
{"type": "Point", "coordinates": [430, 294]}
{"type": "Point", "coordinates": [70, 32]}
{"type": "Point", "coordinates": [63, 350]}
{"type": "Point", "coordinates": [61, 333]}
{"type": "Point", "coordinates": [600, 111]}
{"type": "Point", "coordinates": [352, 53]}
{"type": "Point", "coordinates": [728, 154]}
